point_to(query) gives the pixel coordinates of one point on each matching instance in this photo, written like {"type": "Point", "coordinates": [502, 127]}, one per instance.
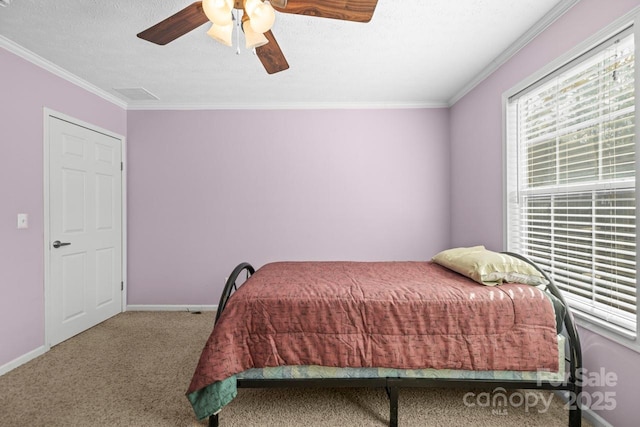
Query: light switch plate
{"type": "Point", "coordinates": [23, 220]}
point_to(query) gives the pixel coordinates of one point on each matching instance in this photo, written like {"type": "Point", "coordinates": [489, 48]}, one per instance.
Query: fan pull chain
{"type": "Point", "coordinates": [236, 18]}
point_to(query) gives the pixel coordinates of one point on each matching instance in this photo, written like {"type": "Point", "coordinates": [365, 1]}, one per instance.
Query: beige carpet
{"type": "Point", "coordinates": [133, 370]}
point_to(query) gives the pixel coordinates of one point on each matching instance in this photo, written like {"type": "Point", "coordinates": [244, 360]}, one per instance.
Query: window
{"type": "Point", "coordinates": [571, 173]}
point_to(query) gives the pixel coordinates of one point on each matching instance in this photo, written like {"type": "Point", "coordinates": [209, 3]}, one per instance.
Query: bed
{"type": "Point", "coordinates": [390, 325]}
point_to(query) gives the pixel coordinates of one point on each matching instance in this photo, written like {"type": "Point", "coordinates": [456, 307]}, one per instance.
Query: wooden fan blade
{"type": "Point", "coordinates": [279, 3]}
{"type": "Point", "coordinates": [345, 10]}
{"type": "Point", "coordinates": [179, 24]}
{"type": "Point", "coordinates": [271, 56]}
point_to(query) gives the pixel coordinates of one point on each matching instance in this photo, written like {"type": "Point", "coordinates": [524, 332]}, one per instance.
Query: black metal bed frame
{"type": "Point", "coordinates": [392, 385]}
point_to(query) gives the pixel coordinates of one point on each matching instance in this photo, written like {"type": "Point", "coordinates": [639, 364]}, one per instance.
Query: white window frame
{"type": "Point", "coordinates": [628, 20]}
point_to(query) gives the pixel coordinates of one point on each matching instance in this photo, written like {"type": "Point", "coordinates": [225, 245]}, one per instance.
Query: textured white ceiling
{"type": "Point", "coordinates": [412, 53]}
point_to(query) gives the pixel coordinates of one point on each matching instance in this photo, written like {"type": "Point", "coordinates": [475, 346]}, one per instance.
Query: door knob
{"type": "Point", "coordinates": [58, 243]}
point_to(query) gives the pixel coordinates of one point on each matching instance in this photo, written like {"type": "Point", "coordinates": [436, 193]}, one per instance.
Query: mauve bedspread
{"type": "Point", "coordinates": [406, 315]}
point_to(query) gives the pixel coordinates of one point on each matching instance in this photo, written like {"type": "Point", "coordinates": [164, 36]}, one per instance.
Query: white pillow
{"type": "Point", "coordinates": [488, 267]}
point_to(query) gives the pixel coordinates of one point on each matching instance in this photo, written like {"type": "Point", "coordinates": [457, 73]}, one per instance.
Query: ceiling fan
{"type": "Point", "coordinates": [257, 18]}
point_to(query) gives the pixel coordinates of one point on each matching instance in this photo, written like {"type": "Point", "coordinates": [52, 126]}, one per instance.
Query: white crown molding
{"type": "Point", "coordinates": [555, 13]}
{"type": "Point", "coordinates": [594, 40]}
{"type": "Point", "coordinates": [59, 71]}
{"type": "Point", "coordinates": [559, 10]}
{"type": "Point", "coordinates": [152, 105]}
{"type": "Point", "coordinates": [287, 106]}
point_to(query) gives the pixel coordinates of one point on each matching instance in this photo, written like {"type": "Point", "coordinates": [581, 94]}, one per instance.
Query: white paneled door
{"type": "Point", "coordinates": [85, 228]}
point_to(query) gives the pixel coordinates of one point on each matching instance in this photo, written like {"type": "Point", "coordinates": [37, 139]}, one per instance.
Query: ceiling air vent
{"type": "Point", "coordinates": [135, 93]}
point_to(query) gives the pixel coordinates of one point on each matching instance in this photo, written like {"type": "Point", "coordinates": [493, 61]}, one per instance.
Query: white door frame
{"type": "Point", "coordinates": [48, 114]}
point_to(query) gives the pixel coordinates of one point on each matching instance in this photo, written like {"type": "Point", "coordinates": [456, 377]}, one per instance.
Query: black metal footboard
{"type": "Point", "coordinates": [572, 384]}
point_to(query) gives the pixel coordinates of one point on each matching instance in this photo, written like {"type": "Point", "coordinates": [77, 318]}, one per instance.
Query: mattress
{"type": "Point", "coordinates": [401, 317]}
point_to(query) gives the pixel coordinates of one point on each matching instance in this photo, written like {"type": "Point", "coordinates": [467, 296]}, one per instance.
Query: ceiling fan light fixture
{"type": "Point", "coordinates": [261, 14]}
{"type": "Point", "coordinates": [250, 5]}
{"type": "Point", "coordinates": [252, 38]}
{"type": "Point", "coordinates": [270, 55]}
{"type": "Point", "coordinates": [218, 11]}
{"type": "Point", "coordinates": [221, 33]}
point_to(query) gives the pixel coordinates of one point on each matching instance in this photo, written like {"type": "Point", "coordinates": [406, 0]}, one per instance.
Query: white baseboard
{"type": "Point", "coordinates": [595, 419]}
{"type": "Point", "coordinates": [43, 349]}
{"type": "Point", "coordinates": [189, 308]}
{"type": "Point", "coordinates": [23, 359]}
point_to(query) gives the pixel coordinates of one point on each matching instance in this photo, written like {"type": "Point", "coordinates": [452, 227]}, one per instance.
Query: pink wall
{"type": "Point", "coordinates": [476, 169]}
{"type": "Point", "coordinates": [210, 189]}
{"type": "Point", "coordinates": [25, 90]}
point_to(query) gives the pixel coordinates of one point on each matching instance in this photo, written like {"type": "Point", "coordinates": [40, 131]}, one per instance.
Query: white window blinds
{"type": "Point", "coordinates": [571, 181]}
